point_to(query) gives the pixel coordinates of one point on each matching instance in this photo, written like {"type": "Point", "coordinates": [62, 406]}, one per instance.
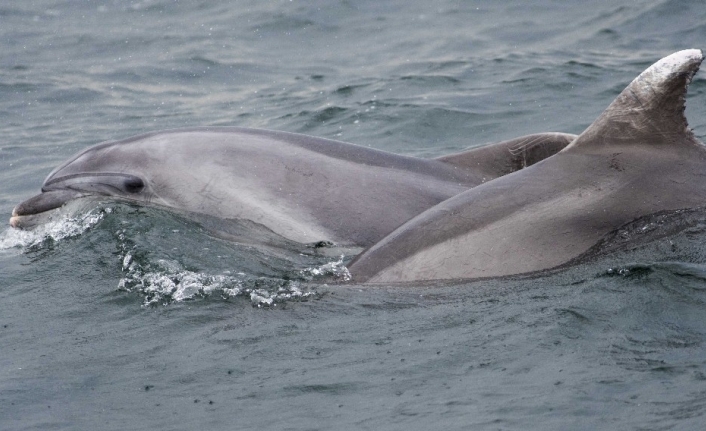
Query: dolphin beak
{"type": "Point", "coordinates": [23, 214]}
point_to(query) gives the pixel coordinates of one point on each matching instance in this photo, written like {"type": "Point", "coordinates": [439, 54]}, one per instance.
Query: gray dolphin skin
{"type": "Point", "coordinates": [302, 188]}
{"type": "Point", "coordinates": [638, 158]}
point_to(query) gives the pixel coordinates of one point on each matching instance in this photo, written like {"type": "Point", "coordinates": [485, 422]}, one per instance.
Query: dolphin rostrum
{"type": "Point", "coordinates": [638, 158]}
{"type": "Point", "coordinates": [302, 188]}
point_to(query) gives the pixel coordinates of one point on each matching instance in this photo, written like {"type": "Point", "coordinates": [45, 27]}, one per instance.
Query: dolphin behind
{"type": "Point", "coordinates": [637, 158]}
{"type": "Point", "coordinates": [302, 188]}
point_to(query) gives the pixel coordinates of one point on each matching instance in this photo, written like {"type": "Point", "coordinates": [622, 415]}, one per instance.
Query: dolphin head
{"type": "Point", "coordinates": [103, 170]}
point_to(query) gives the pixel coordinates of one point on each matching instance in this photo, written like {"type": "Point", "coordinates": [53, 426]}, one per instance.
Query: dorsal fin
{"type": "Point", "coordinates": [650, 110]}
{"type": "Point", "coordinates": [501, 158]}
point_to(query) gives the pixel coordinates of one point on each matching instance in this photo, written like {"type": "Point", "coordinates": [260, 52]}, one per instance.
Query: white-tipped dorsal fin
{"type": "Point", "coordinates": [650, 110]}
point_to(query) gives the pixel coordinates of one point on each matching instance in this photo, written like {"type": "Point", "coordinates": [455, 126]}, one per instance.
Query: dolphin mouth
{"type": "Point", "coordinates": [59, 190]}
{"type": "Point", "coordinates": [24, 215]}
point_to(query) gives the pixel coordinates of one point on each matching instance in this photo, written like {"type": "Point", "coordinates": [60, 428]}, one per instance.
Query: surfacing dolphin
{"type": "Point", "coordinates": [302, 188]}
{"type": "Point", "coordinates": [638, 158]}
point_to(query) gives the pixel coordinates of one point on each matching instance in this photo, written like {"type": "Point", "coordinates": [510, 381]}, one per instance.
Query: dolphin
{"type": "Point", "coordinates": [302, 188]}
{"type": "Point", "coordinates": [638, 158]}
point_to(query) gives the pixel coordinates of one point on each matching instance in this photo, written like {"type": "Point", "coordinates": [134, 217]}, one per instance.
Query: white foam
{"type": "Point", "coordinates": [334, 269]}
{"type": "Point", "coordinates": [56, 230]}
{"type": "Point", "coordinates": [168, 281]}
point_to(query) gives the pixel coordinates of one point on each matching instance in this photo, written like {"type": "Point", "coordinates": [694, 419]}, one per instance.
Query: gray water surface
{"type": "Point", "coordinates": [134, 318]}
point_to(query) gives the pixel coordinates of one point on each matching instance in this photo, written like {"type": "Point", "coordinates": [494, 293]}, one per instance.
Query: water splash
{"type": "Point", "coordinates": [336, 270]}
{"type": "Point", "coordinates": [165, 280]}
{"type": "Point", "coordinates": [168, 281]}
{"type": "Point", "coordinates": [67, 226]}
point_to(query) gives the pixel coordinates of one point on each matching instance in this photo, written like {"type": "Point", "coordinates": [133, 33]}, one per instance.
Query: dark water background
{"type": "Point", "coordinates": [137, 319]}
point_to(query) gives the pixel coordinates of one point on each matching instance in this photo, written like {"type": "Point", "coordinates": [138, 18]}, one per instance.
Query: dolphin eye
{"type": "Point", "coordinates": [133, 185]}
